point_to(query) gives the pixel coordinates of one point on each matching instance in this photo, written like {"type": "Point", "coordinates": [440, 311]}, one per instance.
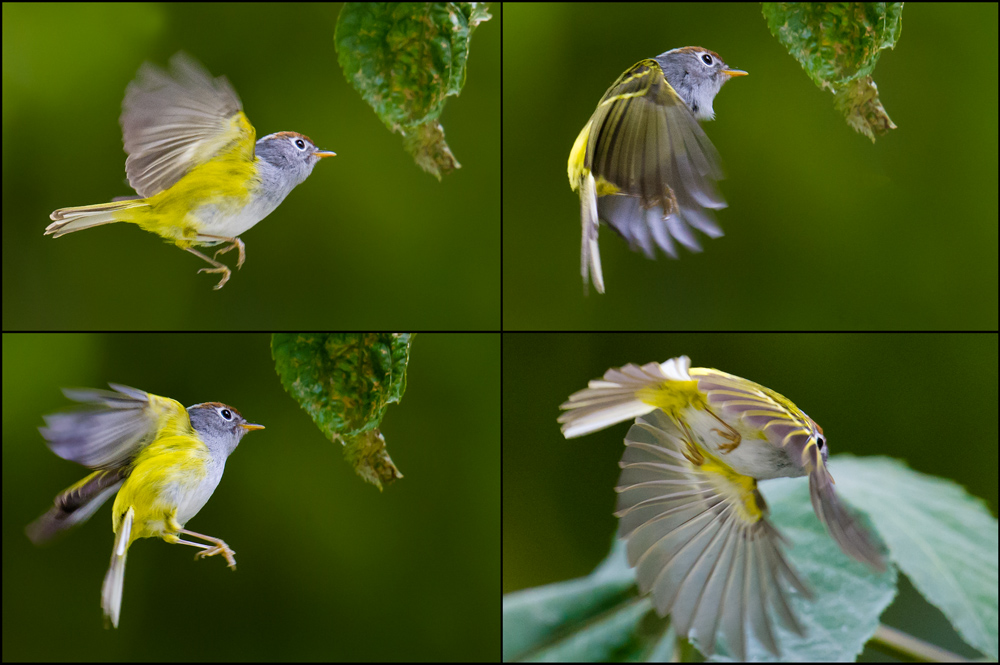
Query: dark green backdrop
{"type": "Point", "coordinates": [329, 568]}
{"type": "Point", "coordinates": [928, 399]}
{"type": "Point", "coordinates": [369, 241]}
{"type": "Point", "coordinates": [824, 230]}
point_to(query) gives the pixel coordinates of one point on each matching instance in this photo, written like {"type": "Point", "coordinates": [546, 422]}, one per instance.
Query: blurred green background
{"type": "Point", "coordinates": [927, 399]}
{"type": "Point", "coordinates": [329, 568]}
{"type": "Point", "coordinates": [369, 241]}
{"type": "Point", "coordinates": [897, 235]}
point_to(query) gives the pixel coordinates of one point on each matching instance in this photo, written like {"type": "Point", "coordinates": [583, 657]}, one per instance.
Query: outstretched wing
{"type": "Point", "coordinates": [700, 540]}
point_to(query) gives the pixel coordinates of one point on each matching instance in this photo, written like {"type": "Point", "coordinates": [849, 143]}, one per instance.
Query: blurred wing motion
{"type": "Point", "coordinates": [644, 166]}
{"type": "Point", "coordinates": [105, 434]}
{"type": "Point", "coordinates": [112, 426]}
{"type": "Point", "coordinates": [698, 536]}
{"type": "Point", "coordinates": [174, 121]}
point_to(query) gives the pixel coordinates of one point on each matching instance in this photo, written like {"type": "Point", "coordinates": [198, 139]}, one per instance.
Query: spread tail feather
{"type": "Point", "coordinates": [67, 220]}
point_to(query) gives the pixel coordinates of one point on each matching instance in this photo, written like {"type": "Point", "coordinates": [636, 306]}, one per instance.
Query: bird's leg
{"type": "Point", "coordinates": [729, 434]}
{"type": "Point", "coordinates": [216, 267]}
{"type": "Point", "coordinates": [231, 244]}
{"type": "Point", "coordinates": [218, 546]}
{"type": "Point", "coordinates": [691, 451]}
{"type": "Point", "coordinates": [234, 243]}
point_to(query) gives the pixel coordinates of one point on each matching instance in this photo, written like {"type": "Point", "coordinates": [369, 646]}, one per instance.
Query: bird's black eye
{"type": "Point", "coordinates": [226, 414]}
{"type": "Point", "coordinates": [300, 144]}
{"type": "Point", "coordinates": [707, 59]}
{"type": "Point", "coordinates": [821, 441]}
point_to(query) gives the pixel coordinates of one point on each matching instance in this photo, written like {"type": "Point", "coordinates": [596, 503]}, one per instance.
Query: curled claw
{"type": "Point", "coordinates": [222, 549]}
{"type": "Point", "coordinates": [235, 243]}
{"type": "Point", "coordinates": [729, 434]}
{"type": "Point", "coordinates": [226, 273]}
{"type": "Point", "coordinates": [216, 266]}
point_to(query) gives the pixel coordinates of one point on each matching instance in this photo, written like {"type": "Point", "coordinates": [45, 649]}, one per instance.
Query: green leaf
{"type": "Point", "coordinates": [838, 45]}
{"type": "Point", "coordinates": [941, 537]}
{"type": "Point", "coordinates": [406, 59]}
{"type": "Point", "coordinates": [345, 381]}
{"type": "Point", "coordinates": [594, 618]}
